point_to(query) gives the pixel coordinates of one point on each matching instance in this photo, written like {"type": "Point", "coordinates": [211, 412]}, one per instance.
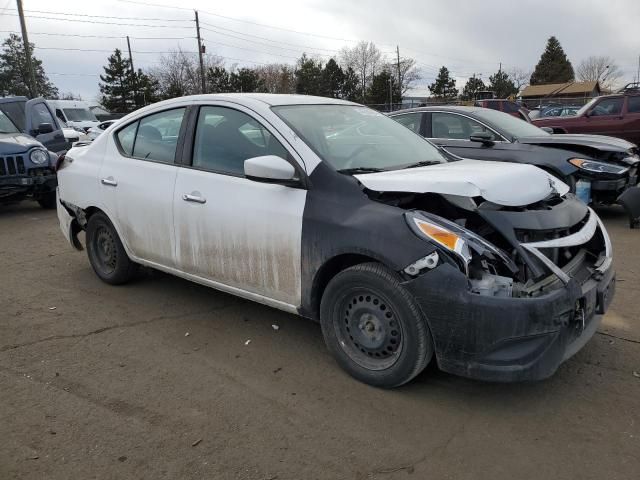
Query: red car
{"type": "Point", "coordinates": [506, 106]}
{"type": "Point", "coordinates": [615, 115]}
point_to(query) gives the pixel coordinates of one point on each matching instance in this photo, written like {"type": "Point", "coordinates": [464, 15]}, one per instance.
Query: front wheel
{"type": "Point", "coordinates": [373, 326]}
{"type": "Point", "coordinates": [106, 252]}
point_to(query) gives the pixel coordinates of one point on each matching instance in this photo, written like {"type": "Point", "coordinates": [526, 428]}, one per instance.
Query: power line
{"type": "Point", "coordinates": [99, 22]}
{"type": "Point", "coordinates": [98, 36]}
{"type": "Point", "coordinates": [102, 16]}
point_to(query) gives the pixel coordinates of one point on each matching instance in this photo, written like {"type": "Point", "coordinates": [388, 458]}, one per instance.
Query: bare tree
{"type": "Point", "coordinates": [277, 78]}
{"type": "Point", "coordinates": [365, 59]}
{"type": "Point", "coordinates": [178, 73]}
{"type": "Point", "coordinates": [601, 68]}
{"type": "Point", "coordinates": [520, 77]}
{"type": "Point", "coordinates": [409, 73]}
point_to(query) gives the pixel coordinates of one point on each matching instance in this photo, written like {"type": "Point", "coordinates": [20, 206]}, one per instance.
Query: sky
{"type": "Point", "coordinates": [468, 37]}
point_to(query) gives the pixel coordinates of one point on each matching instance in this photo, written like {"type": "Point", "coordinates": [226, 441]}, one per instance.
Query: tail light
{"type": "Point", "coordinates": [60, 162]}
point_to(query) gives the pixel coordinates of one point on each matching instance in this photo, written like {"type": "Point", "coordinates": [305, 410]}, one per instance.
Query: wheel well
{"type": "Point", "coordinates": [558, 130]}
{"type": "Point", "coordinates": [329, 270]}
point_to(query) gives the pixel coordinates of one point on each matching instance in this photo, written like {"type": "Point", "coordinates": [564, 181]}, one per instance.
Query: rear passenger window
{"type": "Point", "coordinates": [225, 138]}
{"type": "Point", "coordinates": [410, 120]}
{"type": "Point", "coordinates": [126, 137]}
{"type": "Point", "coordinates": [634, 105]}
{"type": "Point", "coordinates": [157, 136]}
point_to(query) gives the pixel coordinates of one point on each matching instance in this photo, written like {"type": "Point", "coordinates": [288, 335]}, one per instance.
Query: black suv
{"type": "Point", "coordinates": [26, 166]}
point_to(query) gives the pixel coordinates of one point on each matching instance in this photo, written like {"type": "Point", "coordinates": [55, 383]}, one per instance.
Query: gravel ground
{"type": "Point", "coordinates": [156, 380]}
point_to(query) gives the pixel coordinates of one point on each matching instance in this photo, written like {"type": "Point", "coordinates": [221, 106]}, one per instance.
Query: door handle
{"type": "Point", "coordinates": [109, 182]}
{"type": "Point", "coordinates": [193, 198]}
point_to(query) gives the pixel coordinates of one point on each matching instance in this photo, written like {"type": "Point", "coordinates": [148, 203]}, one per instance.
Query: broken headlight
{"type": "Point", "coordinates": [456, 239]}
{"type": "Point", "coordinates": [597, 167]}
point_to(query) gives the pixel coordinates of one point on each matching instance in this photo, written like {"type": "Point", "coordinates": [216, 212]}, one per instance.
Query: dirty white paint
{"type": "Point", "coordinates": [247, 235]}
{"type": "Point", "coordinates": [503, 183]}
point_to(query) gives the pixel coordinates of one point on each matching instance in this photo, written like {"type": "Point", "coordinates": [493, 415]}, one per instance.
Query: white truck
{"type": "Point", "coordinates": [74, 113]}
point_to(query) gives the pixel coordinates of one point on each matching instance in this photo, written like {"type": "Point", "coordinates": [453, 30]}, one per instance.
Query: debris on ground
{"type": "Point", "coordinates": [247, 342]}
{"type": "Point", "coordinates": [196, 443]}
{"type": "Point", "coordinates": [636, 374]}
{"type": "Point", "coordinates": [275, 327]}
{"type": "Point", "coordinates": [52, 308]}
{"type": "Point", "coordinates": [277, 370]}
{"type": "Point", "coordinates": [187, 334]}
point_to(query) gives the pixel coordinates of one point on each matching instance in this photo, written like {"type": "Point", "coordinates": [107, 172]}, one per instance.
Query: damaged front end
{"type": "Point", "coordinates": [512, 291]}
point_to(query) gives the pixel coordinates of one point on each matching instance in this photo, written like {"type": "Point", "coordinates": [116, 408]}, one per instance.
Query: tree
{"type": "Point", "coordinates": [519, 77]}
{"type": "Point", "coordinates": [350, 86]}
{"type": "Point", "coordinates": [444, 86]}
{"type": "Point", "coordinates": [472, 87]}
{"type": "Point", "coordinates": [599, 68]}
{"type": "Point", "coordinates": [147, 90]}
{"type": "Point", "coordinates": [277, 78]}
{"type": "Point", "coordinates": [218, 80]}
{"type": "Point", "coordinates": [553, 66]}
{"type": "Point", "coordinates": [245, 80]}
{"type": "Point", "coordinates": [409, 72]}
{"type": "Point", "coordinates": [309, 80]}
{"type": "Point", "coordinates": [178, 73]}
{"type": "Point", "coordinates": [501, 84]}
{"type": "Point", "coordinates": [365, 59]}
{"type": "Point", "coordinates": [381, 86]}
{"type": "Point", "coordinates": [117, 84]}
{"type": "Point", "coordinates": [332, 79]}
{"type": "Point", "coordinates": [14, 72]}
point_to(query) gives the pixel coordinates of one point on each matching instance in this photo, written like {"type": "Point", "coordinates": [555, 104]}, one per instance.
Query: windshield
{"type": "Point", "coordinates": [6, 125]}
{"type": "Point", "coordinates": [586, 107]}
{"type": "Point", "coordinates": [356, 137]}
{"type": "Point", "coordinates": [79, 115]}
{"type": "Point", "coordinates": [510, 125]}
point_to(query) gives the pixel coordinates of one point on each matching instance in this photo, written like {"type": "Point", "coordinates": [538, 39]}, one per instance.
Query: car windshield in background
{"type": "Point", "coordinates": [79, 115]}
{"type": "Point", "coordinates": [351, 137]}
{"type": "Point", "coordinates": [510, 125]}
{"type": "Point", "coordinates": [6, 125]}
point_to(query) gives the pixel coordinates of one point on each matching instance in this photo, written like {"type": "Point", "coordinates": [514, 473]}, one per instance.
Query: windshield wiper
{"type": "Point", "coordinates": [421, 164]}
{"type": "Point", "coordinates": [349, 171]}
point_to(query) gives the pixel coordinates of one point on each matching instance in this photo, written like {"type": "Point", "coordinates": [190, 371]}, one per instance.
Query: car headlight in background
{"type": "Point", "coordinates": [38, 156]}
{"type": "Point", "coordinates": [597, 167]}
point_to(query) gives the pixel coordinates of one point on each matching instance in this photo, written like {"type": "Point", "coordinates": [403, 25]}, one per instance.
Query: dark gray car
{"type": "Point", "coordinates": [598, 168]}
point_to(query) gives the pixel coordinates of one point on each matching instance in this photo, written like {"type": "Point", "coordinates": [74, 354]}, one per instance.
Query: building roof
{"type": "Point", "coordinates": [559, 89]}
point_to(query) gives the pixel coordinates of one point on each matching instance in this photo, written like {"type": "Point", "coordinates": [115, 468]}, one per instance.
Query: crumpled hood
{"type": "Point", "coordinates": [12, 143]}
{"type": "Point", "coordinates": [509, 184]}
{"type": "Point", "coordinates": [598, 142]}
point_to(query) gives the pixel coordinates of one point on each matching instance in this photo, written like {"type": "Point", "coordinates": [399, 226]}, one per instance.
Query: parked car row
{"type": "Point", "coordinates": [402, 249]}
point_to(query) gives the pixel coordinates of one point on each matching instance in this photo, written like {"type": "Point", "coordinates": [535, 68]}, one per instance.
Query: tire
{"type": "Point", "coordinates": [48, 200]}
{"type": "Point", "coordinates": [373, 327]}
{"type": "Point", "coordinates": [106, 252]}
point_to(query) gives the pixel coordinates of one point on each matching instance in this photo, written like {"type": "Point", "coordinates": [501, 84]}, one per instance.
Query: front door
{"type": "Point", "coordinates": [137, 182]}
{"type": "Point", "coordinates": [37, 115]}
{"type": "Point", "coordinates": [605, 118]}
{"type": "Point", "coordinates": [239, 233]}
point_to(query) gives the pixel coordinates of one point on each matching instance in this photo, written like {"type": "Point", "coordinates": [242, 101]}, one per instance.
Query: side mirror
{"type": "Point", "coordinates": [270, 169]}
{"type": "Point", "coordinates": [44, 128]}
{"type": "Point", "coordinates": [547, 129]}
{"type": "Point", "coordinates": [483, 137]}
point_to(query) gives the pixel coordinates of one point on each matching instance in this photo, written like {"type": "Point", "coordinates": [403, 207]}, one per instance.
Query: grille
{"type": "Point", "coordinates": [12, 166]}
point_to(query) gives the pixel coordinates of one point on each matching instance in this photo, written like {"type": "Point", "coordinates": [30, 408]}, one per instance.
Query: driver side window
{"type": "Point", "coordinates": [607, 106]}
{"type": "Point", "coordinates": [457, 127]}
{"type": "Point", "coordinates": [225, 138]}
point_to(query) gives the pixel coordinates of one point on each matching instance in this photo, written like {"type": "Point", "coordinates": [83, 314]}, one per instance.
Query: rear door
{"type": "Point", "coordinates": [632, 116]}
{"type": "Point", "coordinates": [38, 119]}
{"type": "Point", "coordinates": [412, 120]}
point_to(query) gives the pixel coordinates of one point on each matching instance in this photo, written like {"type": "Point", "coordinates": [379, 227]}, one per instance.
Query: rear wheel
{"type": "Point", "coordinates": [373, 326]}
{"type": "Point", "coordinates": [106, 252]}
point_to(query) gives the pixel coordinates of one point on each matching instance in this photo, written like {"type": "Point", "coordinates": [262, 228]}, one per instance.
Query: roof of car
{"type": "Point", "coordinates": [273, 99]}
{"type": "Point", "coordinates": [446, 108]}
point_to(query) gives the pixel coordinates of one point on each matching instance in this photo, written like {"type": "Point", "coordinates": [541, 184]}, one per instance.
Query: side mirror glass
{"type": "Point", "coordinates": [485, 138]}
{"type": "Point", "coordinates": [269, 169]}
{"type": "Point", "coordinates": [44, 128]}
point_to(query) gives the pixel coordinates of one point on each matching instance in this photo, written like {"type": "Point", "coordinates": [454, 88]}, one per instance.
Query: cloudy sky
{"type": "Point", "coordinates": [74, 38]}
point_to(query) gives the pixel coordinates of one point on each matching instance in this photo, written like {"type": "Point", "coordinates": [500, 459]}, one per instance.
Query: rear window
{"type": "Point", "coordinates": [634, 104]}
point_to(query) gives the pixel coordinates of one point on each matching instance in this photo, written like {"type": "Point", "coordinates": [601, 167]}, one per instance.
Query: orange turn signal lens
{"type": "Point", "coordinates": [577, 162]}
{"type": "Point", "coordinates": [439, 234]}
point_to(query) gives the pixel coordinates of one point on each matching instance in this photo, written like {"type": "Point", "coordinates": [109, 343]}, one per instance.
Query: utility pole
{"type": "Point", "coordinates": [133, 75]}
{"type": "Point", "coordinates": [399, 74]}
{"type": "Point", "coordinates": [202, 79]}
{"type": "Point", "coordinates": [638, 80]}
{"type": "Point", "coordinates": [33, 89]}
{"type": "Point", "coordinates": [390, 94]}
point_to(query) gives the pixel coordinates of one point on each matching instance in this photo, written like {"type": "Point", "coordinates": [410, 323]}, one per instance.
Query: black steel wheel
{"type": "Point", "coordinates": [373, 326]}
{"type": "Point", "coordinates": [106, 252]}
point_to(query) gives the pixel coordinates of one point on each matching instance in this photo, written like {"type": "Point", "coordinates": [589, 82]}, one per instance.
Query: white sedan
{"type": "Point", "coordinates": [333, 211]}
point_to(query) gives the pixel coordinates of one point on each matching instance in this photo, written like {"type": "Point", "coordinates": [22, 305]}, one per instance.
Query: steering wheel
{"type": "Point", "coordinates": [356, 153]}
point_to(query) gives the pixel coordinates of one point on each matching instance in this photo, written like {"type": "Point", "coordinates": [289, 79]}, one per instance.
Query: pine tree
{"type": "Point", "coordinates": [350, 86]}
{"type": "Point", "coordinates": [332, 79]}
{"type": "Point", "coordinates": [245, 80]}
{"type": "Point", "coordinates": [218, 80]}
{"type": "Point", "coordinates": [147, 90]}
{"type": "Point", "coordinates": [378, 92]}
{"type": "Point", "coordinates": [502, 85]}
{"type": "Point", "coordinates": [118, 87]}
{"type": "Point", "coordinates": [444, 86]}
{"type": "Point", "coordinates": [472, 87]}
{"type": "Point", "coordinates": [553, 67]}
{"type": "Point", "coordinates": [309, 76]}
{"type": "Point", "coordinates": [14, 72]}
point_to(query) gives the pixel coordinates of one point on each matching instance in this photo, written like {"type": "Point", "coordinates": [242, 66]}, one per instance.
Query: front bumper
{"type": "Point", "coordinates": [27, 184]}
{"type": "Point", "coordinates": [508, 339]}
